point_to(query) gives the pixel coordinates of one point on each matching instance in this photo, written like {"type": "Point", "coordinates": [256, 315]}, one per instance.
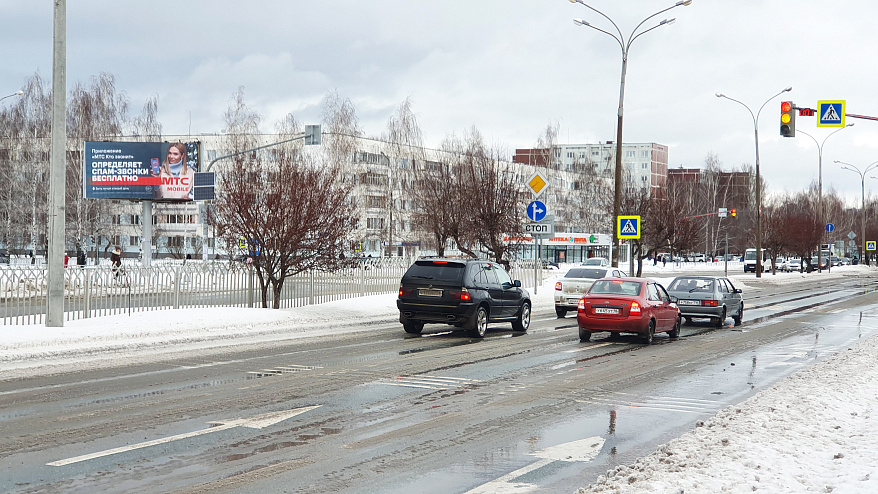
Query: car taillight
{"type": "Point", "coordinates": [405, 291]}
{"type": "Point", "coordinates": [581, 304]}
{"type": "Point", "coordinates": [635, 308]}
{"type": "Point", "coordinates": [462, 294]}
{"type": "Point", "coordinates": [709, 303]}
{"type": "Point", "coordinates": [558, 286]}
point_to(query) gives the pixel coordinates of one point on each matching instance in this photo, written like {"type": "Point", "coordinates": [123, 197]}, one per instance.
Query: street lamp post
{"type": "Point", "coordinates": [820, 190]}
{"type": "Point", "coordinates": [17, 93]}
{"type": "Point", "coordinates": [872, 166]}
{"type": "Point", "coordinates": [758, 179]}
{"type": "Point", "coordinates": [626, 46]}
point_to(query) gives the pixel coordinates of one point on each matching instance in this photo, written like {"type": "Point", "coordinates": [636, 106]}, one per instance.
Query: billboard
{"type": "Point", "coordinates": [162, 171]}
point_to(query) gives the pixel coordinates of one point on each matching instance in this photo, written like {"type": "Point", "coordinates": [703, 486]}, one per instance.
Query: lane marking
{"type": "Point", "coordinates": [428, 382]}
{"type": "Point", "coordinates": [583, 450]}
{"type": "Point", "coordinates": [256, 422]}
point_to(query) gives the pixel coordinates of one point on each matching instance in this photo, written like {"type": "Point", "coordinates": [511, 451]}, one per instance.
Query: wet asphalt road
{"type": "Point", "coordinates": [384, 411]}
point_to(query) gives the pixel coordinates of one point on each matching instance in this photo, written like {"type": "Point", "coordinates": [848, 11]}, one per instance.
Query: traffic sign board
{"type": "Point", "coordinates": [537, 184]}
{"type": "Point", "coordinates": [870, 245]}
{"type": "Point", "coordinates": [536, 211]}
{"type": "Point", "coordinates": [537, 229]}
{"type": "Point", "coordinates": [830, 113]}
{"type": "Point", "coordinates": [830, 227]}
{"type": "Point", "coordinates": [628, 227]}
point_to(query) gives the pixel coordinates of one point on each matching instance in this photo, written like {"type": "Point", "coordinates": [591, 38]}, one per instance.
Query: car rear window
{"type": "Point", "coordinates": [691, 285]}
{"type": "Point", "coordinates": [451, 272]}
{"type": "Point", "coordinates": [615, 287]}
{"type": "Point", "coordinates": [586, 273]}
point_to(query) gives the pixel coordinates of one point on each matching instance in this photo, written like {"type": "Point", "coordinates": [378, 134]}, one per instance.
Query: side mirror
{"type": "Point", "coordinates": [673, 300]}
{"type": "Point", "coordinates": [516, 283]}
{"type": "Point", "coordinates": [738, 290]}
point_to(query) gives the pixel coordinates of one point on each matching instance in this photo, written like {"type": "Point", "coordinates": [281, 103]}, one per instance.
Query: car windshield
{"type": "Point", "coordinates": [586, 273]}
{"type": "Point", "coordinates": [594, 261]}
{"type": "Point", "coordinates": [451, 272]}
{"type": "Point", "coordinates": [691, 285]}
{"type": "Point", "coordinates": [615, 287]}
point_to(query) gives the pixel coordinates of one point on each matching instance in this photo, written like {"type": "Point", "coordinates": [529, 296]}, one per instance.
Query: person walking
{"type": "Point", "coordinates": [116, 261]}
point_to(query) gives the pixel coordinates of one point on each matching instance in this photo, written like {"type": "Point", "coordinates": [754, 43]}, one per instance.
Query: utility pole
{"type": "Point", "coordinates": [57, 170]}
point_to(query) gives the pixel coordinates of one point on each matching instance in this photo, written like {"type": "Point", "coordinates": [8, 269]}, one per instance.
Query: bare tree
{"type": "Point", "coordinates": [405, 152]}
{"type": "Point", "coordinates": [294, 207]}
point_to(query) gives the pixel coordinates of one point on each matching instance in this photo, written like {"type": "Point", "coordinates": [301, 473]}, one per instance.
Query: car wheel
{"type": "Point", "coordinates": [584, 335]}
{"type": "Point", "coordinates": [523, 321]}
{"type": "Point", "coordinates": [413, 327]}
{"type": "Point", "coordinates": [560, 312]}
{"type": "Point", "coordinates": [687, 320]}
{"type": "Point", "coordinates": [738, 318]}
{"type": "Point", "coordinates": [650, 332]}
{"type": "Point", "coordinates": [481, 324]}
{"type": "Point", "coordinates": [675, 333]}
{"type": "Point", "coordinates": [721, 319]}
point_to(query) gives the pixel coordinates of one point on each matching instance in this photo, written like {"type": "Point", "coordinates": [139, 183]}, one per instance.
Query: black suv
{"type": "Point", "coordinates": [467, 293]}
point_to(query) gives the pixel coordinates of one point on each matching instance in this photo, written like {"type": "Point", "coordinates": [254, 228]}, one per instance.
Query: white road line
{"type": "Point", "coordinates": [256, 422]}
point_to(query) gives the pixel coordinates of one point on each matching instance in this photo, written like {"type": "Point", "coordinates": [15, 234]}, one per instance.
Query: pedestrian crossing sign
{"type": "Point", "coordinates": [830, 113]}
{"type": "Point", "coordinates": [628, 227]}
{"type": "Point", "coordinates": [870, 245]}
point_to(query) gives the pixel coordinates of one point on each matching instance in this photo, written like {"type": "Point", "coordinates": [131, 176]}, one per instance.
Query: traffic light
{"type": "Point", "coordinates": [788, 119]}
{"type": "Point", "coordinates": [733, 212]}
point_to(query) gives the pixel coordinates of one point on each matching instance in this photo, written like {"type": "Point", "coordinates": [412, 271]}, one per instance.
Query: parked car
{"type": "Point", "coordinates": [792, 264]}
{"type": "Point", "coordinates": [549, 264]}
{"type": "Point", "coordinates": [596, 261]}
{"type": "Point", "coordinates": [696, 258]}
{"type": "Point", "coordinates": [627, 305]}
{"type": "Point", "coordinates": [814, 266]}
{"type": "Point", "coordinates": [4, 256]}
{"type": "Point", "coordinates": [709, 297]}
{"type": "Point", "coordinates": [466, 293]}
{"type": "Point", "coordinates": [575, 283]}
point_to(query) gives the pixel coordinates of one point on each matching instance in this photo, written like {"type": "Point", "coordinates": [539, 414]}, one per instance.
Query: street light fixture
{"type": "Point", "coordinates": [17, 93]}
{"type": "Point", "coordinates": [848, 166]}
{"type": "Point", "coordinates": [758, 179]}
{"type": "Point", "coordinates": [625, 46]}
{"type": "Point", "coordinates": [820, 190]}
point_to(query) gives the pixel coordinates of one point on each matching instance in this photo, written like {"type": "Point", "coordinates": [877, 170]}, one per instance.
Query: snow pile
{"type": "Point", "coordinates": [812, 432]}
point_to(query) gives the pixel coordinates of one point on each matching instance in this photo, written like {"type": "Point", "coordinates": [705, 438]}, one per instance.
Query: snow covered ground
{"type": "Point", "coordinates": [815, 431]}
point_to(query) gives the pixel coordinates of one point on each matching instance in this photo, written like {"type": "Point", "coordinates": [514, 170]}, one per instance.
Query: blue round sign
{"type": "Point", "coordinates": [536, 211]}
{"type": "Point", "coordinates": [830, 227]}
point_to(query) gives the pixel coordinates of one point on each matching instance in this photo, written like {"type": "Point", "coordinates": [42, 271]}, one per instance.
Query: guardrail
{"type": "Point", "coordinates": [93, 291]}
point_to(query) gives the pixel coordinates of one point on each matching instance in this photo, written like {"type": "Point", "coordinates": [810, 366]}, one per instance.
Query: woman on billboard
{"type": "Point", "coordinates": [177, 178]}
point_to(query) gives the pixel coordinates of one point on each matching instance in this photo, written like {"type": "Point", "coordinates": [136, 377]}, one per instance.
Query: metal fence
{"type": "Point", "coordinates": [93, 291]}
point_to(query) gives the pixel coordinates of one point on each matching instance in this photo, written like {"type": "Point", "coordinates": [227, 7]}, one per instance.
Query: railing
{"type": "Point", "coordinates": [93, 291]}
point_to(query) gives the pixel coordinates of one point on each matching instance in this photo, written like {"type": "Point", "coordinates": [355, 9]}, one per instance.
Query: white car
{"type": "Point", "coordinates": [792, 264]}
{"type": "Point", "coordinates": [577, 281]}
{"type": "Point", "coordinates": [600, 262]}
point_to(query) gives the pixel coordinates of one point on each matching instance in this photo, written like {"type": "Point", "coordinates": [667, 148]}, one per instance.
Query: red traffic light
{"type": "Point", "coordinates": [787, 119]}
{"type": "Point", "coordinates": [733, 212]}
{"type": "Point", "coordinates": [786, 106]}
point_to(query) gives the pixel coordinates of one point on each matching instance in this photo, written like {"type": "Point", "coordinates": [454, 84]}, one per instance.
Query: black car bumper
{"type": "Point", "coordinates": [458, 315]}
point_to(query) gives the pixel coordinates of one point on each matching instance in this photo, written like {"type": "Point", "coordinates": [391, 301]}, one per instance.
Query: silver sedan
{"type": "Point", "coordinates": [709, 297]}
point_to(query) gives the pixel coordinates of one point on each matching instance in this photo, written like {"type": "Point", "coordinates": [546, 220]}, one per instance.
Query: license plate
{"type": "Point", "coordinates": [572, 301]}
{"type": "Point", "coordinates": [605, 310]}
{"type": "Point", "coordinates": [429, 292]}
{"type": "Point", "coordinates": [688, 302]}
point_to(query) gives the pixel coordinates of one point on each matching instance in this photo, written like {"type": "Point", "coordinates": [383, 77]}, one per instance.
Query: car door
{"type": "Point", "coordinates": [655, 306]}
{"type": "Point", "coordinates": [486, 280]}
{"type": "Point", "coordinates": [511, 293]}
{"type": "Point", "coordinates": [733, 296]}
{"type": "Point", "coordinates": [669, 308]}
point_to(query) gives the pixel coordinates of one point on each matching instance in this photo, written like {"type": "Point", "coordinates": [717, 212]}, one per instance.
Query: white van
{"type": "Point", "coordinates": [750, 260]}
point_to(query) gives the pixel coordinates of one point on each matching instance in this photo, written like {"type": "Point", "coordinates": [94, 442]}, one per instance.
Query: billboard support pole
{"type": "Point", "coordinates": [56, 226]}
{"type": "Point", "coordinates": [146, 241]}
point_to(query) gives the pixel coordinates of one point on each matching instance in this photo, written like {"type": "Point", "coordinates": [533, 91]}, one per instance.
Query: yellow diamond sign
{"type": "Point", "coordinates": [537, 184]}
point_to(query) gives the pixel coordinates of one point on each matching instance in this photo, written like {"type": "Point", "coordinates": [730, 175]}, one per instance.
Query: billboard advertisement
{"type": "Point", "coordinates": [161, 171]}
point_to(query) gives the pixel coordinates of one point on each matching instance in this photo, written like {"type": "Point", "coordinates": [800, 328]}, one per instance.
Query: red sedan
{"type": "Point", "coordinates": [627, 305]}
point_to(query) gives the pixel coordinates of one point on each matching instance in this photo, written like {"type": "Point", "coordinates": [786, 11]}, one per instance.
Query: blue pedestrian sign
{"type": "Point", "coordinates": [830, 113]}
{"type": "Point", "coordinates": [536, 211]}
{"type": "Point", "coordinates": [628, 227]}
{"type": "Point", "coordinates": [830, 227]}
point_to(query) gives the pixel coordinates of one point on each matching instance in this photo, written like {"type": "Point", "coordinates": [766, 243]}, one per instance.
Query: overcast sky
{"type": "Point", "coordinates": [507, 67]}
